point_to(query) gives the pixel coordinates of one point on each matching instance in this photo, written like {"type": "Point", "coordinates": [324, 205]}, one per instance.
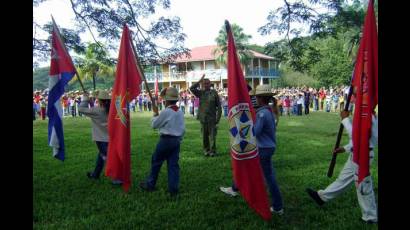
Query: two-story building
{"type": "Point", "coordinates": [187, 70]}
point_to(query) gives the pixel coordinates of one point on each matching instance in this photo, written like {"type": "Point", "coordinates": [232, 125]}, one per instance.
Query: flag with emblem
{"type": "Point", "coordinates": [247, 172]}
{"type": "Point", "coordinates": [126, 87]}
{"type": "Point", "coordinates": [366, 83]}
{"type": "Point", "coordinates": [61, 72]}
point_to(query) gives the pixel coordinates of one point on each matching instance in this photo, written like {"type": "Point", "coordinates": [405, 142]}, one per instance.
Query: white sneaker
{"type": "Point", "coordinates": [228, 191]}
{"type": "Point", "coordinates": [280, 212]}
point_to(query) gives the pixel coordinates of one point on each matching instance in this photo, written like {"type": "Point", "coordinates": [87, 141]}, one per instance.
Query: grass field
{"type": "Point", "coordinates": [64, 198]}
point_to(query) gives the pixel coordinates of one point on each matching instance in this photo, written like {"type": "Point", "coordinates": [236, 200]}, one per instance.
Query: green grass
{"type": "Point", "coordinates": [64, 198]}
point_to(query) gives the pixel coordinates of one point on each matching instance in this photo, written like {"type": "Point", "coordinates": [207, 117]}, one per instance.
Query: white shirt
{"type": "Point", "coordinates": [169, 122]}
{"type": "Point", "coordinates": [300, 101]}
{"type": "Point", "coordinates": [374, 135]}
{"type": "Point", "coordinates": [347, 90]}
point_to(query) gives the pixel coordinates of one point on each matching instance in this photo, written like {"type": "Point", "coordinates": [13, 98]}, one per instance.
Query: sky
{"type": "Point", "coordinates": [201, 19]}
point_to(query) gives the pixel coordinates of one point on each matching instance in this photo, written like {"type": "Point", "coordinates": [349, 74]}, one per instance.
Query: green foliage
{"type": "Point", "coordinates": [241, 44]}
{"type": "Point", "coordinates": [40, 78]}
{"type": "Point", "coordinates": [328, 53]}
{"type": "Point", "coordinates": [95, 61]}
{"type": "Point", "coordinates": [336, 67]}
{"type": "Point", "coordinates": [64, 198]}
{"type": "Point", "coordinates": [257, 48]}
{"type": "Point", "coordinates": [291, 78]}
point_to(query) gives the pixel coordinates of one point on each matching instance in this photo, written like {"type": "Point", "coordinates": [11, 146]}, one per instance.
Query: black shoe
{"type": "Point", "coordinates": [144, 186]}
{"type": "Point", "coordinates": [369, 221]}
{"type": "Point", "coordinates": [91, 176]}
{"type": "Point", "coordinates": [313, 194]}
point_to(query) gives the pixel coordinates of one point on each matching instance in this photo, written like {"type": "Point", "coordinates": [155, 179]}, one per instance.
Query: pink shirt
{"type": "Point", "coordinates": [196, 102]}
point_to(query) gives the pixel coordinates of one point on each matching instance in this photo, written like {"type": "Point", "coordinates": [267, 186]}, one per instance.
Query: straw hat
{"type": "Point", "coordinates": [170, 94]}
{"type": "Point", "coordinates": [263, 90]}
{"type": "Point", "coordinates": [103, 95]}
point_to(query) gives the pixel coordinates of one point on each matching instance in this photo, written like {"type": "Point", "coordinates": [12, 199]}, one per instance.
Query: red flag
{"type": "Point", "coordinates": [156, 87]}
{"type": "Point", "coordinates": [247, 171]}
{"type": "Point", "coordinates": [366, 83]}
{"type": "Point", "coordinates": [126, 87]}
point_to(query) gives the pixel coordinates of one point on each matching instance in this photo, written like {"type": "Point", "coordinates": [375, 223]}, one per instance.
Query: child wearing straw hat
{"type": "Point", "coordinates": [99, 119]}
{"type": "Point", "coordinates": [265, 132]}
{"type": "Point", "coordinates": [171, 125]}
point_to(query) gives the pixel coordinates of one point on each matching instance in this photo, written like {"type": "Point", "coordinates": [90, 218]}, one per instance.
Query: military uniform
{"type": "Point", "coordinates": [209, 114]}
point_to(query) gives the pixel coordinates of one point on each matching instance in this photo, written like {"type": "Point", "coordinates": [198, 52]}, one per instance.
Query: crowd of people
{"type": "Point", "coordinates": [292, 101]}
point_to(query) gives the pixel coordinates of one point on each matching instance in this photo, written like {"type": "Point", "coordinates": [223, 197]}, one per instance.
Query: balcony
{"type": "Point", "coordinates": [211, 74]}
{"type": "Point", "coordinates": [261, 72]}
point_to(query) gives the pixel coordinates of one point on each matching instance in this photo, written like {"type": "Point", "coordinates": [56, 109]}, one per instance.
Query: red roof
{"type": "Point", "coordinates": [204, 53]}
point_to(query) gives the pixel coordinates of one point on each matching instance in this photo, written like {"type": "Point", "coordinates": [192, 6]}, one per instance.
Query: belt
{"type": "Point", "coordinates": [168, 136]}
{"type": "Point", "coordinates": [370, 149]}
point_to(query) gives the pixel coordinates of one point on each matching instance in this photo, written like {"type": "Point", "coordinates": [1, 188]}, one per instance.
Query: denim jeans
{"type": "Point", "coordinates": [101, 157]}
{"type": "Point", "coordinates": [307, 108]}
{"type": "Point", "coordinates": [265, 157]}
{"type": "Point", "coordinates": [167, 149]}
{"type": "Point", "coordinates": [299, 109]}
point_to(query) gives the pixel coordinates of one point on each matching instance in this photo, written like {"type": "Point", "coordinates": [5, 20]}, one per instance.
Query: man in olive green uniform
{"type": "Point", "coordinates": [209, 114]}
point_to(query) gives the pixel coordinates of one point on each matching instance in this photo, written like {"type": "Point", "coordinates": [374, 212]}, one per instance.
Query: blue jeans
{"type": "Point", "coordinates": [225, 111]}
{"type": "Point", "coordinates": [167, 149]}
{"type": "Point", "coordinates": [265, 157]}
{"type": "Point", "coordinates": [101, 157]}
{"type": "Point", "coordinates": [316, 107]}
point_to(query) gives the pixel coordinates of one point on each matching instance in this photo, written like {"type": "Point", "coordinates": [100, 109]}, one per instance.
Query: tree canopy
{"type": "Point", "coordinates": [107, 18]}
{"type": "Point", "coordinates": [328, 51]}
{"type": "Point", "coordinates": [241, 43]}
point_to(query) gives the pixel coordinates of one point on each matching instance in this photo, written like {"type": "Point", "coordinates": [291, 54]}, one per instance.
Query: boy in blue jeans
{"type": "Point", "coordinates": [171, 125]}
{"type": "Point", "coordinates": [265, 132]}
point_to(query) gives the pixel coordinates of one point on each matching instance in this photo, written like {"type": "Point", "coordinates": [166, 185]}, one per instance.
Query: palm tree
{"type": "Point", "coordinates": [241, 43]}
{"type": "Point", "coordinates": [95, 61]}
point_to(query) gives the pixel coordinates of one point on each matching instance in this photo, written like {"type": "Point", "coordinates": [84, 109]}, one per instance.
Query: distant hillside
{"type": "Point", "coordinates": [40, 81]}
{"type": "Point", "coordinates": [40, 78]}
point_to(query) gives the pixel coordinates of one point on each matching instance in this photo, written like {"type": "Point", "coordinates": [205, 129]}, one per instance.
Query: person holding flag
{"type": "Point", "coordinates": [126, 86]}
{"type": "Point", "coordinates": [265, 132]}
{"type": "Point", "coordinates": [171, 125]}
{"type": "Point", "coordinates": [99, 117]}
{"type": "Point", "coordinates": [365, 193]}
{"type": "Point", "coordinates": [245, 158]}
{"type": "Point", "coordinates": [363, 133]}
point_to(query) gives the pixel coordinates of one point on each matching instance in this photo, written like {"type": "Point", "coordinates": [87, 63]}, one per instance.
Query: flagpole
{"type": "Point", "coordinates": [65, 48]}
{"type": "Point", "coordinates": [341, 127]}
{"type": "Point", "coordinates": [154, 104]}
{"type": "Point", "coordinates": [79, 80]}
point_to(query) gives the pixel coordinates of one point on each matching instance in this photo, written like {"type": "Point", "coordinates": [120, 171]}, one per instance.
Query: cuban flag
{"type": "Point", "coordinates": [62, 71]}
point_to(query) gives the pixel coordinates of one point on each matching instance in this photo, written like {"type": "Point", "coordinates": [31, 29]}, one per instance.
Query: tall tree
{"type": "Point", "coordinates": [241, 43]}
{"type": "Point", "coordinates": [340, 17]}
{"type": "Point", "coordinates": [107, 17]}
{"type": "Point", "coordinates": [95, 61]}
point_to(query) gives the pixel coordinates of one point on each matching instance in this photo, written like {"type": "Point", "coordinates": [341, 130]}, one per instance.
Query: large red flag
{"type": "Point", "coordinates": [247, 171]}
{"type": "Point", "coordinates": [366, 83]}
{"type": "Point", "coordinates": [126, 87]}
